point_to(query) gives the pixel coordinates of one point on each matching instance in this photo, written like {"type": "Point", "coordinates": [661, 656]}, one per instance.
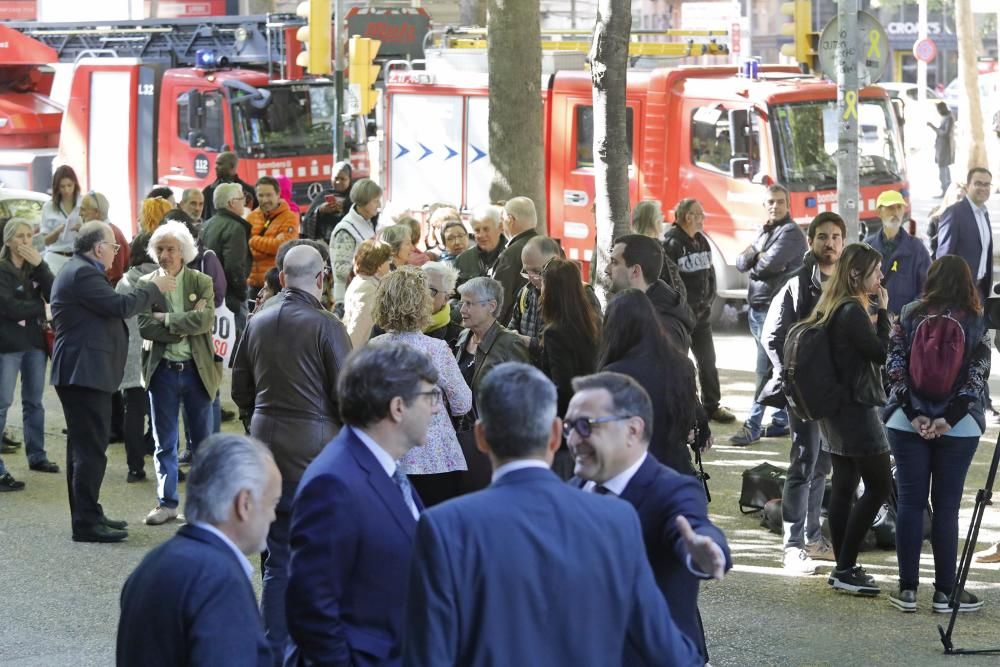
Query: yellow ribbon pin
{"type": "Point", "coordinates": [851, 98]}
{"type": "Point", "coordinates": [873, 40]}
{"type": "Point", "coordinates": [895, 265]}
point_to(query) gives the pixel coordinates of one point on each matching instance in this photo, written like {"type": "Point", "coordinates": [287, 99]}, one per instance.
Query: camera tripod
{"type": "Point", "coordinates": [983, 498]}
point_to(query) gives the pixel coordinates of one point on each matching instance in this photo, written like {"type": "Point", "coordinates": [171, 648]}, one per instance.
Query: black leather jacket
{"type": "Point", "coordinates": [286, 372]}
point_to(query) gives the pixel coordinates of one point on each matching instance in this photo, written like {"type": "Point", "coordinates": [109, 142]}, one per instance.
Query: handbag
{"type": "Point", "coordinates": [868, 389]}
{"type": "Point", "coordinates": [49, 336]}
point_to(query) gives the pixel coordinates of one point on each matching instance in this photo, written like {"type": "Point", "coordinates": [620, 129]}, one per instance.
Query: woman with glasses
{"type": "Point", "coordinates": [445, 317]}
{"type": "Point", "coordinates": [403, 309]}
{"type": "Point", "coordinates": [854, 435]}
{"type": "Point", "coordinates": [61, 218]}
{"type": "Point", "coordinates": [455, 241]}
{"type": "Point", "coordinates": [371, 264]}
{"type": "Point", "coordinates": [25, 288]}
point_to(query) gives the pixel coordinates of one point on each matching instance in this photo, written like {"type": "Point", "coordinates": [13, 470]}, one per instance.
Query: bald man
{"type": "Point", "coordinates": [225, 172]}
{"type": "Point", "coordinates": [293, 400]}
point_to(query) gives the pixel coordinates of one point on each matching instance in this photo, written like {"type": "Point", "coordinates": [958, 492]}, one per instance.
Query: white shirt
{"type": "Point", "coordinates": [244, 563]}
{"type": "Point", "coordinates": [519, 464]}
{"type": "Point", "coordinates": [984, 237]}
{"type": "Point", "coordinates": [617, 484]}
{"type": "Point", "coordinates": [387, 463]}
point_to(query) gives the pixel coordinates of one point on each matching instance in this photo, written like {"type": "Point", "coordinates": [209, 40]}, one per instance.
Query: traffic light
{"type": "Point", "coordinates": [803, 49]}
{"type": "Point", "coordinates": [362, 72]}
{"type": "Point", "coordinates": [315, 36]}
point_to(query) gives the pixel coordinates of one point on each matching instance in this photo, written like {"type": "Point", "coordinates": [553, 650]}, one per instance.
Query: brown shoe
{"type": "Point", "coordinates": [991, 555]}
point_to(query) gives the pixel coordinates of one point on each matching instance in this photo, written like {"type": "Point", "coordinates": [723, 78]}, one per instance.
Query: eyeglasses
{"type": "Point", "coordinates": [326, 273]}
{"type": "Point", "coordinates": [116, 246]}
{"type": "Point", "coordinates": [528, 274]}
{"type": "Point", "coordinates": [434, 395]}
{"type": "Point", "coordinates": [463, 303]}
{"type": "Point", "coordinates": [584, 425]}
{"type": "Point", "coordinates": [434, 290]}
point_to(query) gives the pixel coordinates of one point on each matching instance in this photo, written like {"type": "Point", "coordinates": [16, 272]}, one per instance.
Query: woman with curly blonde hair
{"type": "Point", "coordinates": [403, 308]}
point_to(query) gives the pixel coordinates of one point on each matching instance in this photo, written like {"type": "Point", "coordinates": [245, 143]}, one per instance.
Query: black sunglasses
{"type": "Point", "coordinates": [584, 425]}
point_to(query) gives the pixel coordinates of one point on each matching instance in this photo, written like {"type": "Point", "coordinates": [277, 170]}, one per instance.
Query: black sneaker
{"type": "Point", "coordinates": [44, 466]}
{"type": "Point", "coordinates": [228, 415]}
{"type": "Point", "coordinates": [181, 477]}
{"type": "Point", "coordinates": [745, 437]}
{"type": "Point", "coordinates": [10, 440]}
{"type": "Point", "coordinates": [135, 476]}
{"type": "Point", "coordinates": [904, 600]}
{"type": "Point", "coordinates": [185, 456]}
{"type": "Point", "coordinates": [8, 483]}
{"type": "Point", "coordinates": [967, 602]}
{"type": "Point", "coordinates": [776, 430]}
{"type": "Point", "coordinates": [854, 580]}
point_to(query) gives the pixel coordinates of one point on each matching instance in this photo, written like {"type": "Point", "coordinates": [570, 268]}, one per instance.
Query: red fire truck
{"type": "Point", "coordinates": [703, 132]}
{"type": "Point", "coordinates": [152, 102]}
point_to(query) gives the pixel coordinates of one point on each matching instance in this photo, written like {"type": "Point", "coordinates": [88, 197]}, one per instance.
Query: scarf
{"type": "Point", "coordinates": [439, 319]}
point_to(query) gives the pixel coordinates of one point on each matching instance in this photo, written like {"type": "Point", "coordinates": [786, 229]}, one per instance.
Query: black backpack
{"type": "Point", "coordinates": [809, 377]}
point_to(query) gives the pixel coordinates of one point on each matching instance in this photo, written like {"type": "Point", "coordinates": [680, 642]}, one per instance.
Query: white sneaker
{"type": "Point", "coordinates": [796, 561]}
{"type": "Point", "coordinates": [160, 515]}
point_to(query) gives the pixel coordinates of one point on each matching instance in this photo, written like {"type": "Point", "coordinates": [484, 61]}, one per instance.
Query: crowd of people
{"type": "Point", "coordinates": [420, 397]}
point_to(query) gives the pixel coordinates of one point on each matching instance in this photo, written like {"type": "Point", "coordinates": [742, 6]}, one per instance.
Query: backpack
{"type": "Point", "coordinates": [937, 353]}
{"type": "Point", "coordinates": [809, 377]}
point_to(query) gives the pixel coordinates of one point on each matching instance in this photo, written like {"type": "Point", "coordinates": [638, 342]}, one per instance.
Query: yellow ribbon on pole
{"type": "Point", "coordinates": [851, 98]}
{"type": "Point", "coordinates": [873, 40]}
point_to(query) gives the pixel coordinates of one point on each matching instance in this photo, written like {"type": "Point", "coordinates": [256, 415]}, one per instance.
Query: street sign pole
{"type": "Point", "coordinates": [338, 68]}
{"type": "Point", "coordinates": [921, 64]}
{"type": "Point", "coordinates": [848, 59]}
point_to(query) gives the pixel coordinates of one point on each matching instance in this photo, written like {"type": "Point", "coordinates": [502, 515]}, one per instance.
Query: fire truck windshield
{"type": "Point", "coordinates": [806, 144]}
{"type": "Point", "coordinates": [297, 121]}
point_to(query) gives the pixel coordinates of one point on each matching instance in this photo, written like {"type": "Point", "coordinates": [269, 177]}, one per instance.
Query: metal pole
{"type": "Point", "coordinates": [921, 65]}
{"type": "Point", "coordinates": [847, 116]}
{"type": "Point", "coordinates": [338, 67]}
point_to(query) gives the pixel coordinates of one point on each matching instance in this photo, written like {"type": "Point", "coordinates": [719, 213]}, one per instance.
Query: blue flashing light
{"type": "Point", "coordinates": [206, 59]}
{"type": "Point", "coordinates": [810, 202]}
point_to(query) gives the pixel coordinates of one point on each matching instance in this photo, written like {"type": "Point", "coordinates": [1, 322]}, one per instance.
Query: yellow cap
{"type": "Point", "coordinates": [890, 198]}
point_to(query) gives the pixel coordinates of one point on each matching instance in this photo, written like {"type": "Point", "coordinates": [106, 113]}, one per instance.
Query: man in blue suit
{"type": "Point", "coordinates": [610, 423]}
{"type": "Point", "coordinates": [354, 515]}
{"type": "Point", "coordinates": [964, 230]}
{"type": "Point", "coordinates": [531, 571]}
{"type": "Point", "coordinates": [190, 601]}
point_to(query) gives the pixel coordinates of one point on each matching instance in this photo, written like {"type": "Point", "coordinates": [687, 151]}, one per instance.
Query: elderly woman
{"type": "Point", "coordinates": [371, 264]}
{"type": "Point", "coordinates": [61, 218]}
{"type": "Point", "coordinates": [356, 226]}
{"type": "Point", "coordinates": [178, 361]}
{"type": "Point", "coordinates": [445, 318]}
{"type": "Point", "coordinates": [399, 238]}
{"type": "Point", "coordinates": [455, 239]}
{"type": "Point", "coordinates": [25, 287]}
{"type": "Point", "coordinates": [403, 308]}
{"type": "Point", "coordinates": [485, 343]}
{"type": "Point", "coordinates": [95, 206]}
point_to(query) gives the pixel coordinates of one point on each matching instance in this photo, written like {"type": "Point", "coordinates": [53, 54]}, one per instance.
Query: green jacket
{"type": "Point", "coordinates": [195, 324]}
{"type": "Point", "coordinates": [500, 344]}
{"type": "Point", "coordinates": [228, 236]}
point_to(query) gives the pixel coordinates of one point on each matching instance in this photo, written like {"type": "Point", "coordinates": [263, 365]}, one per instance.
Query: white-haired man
{"type": "Point", "coordinates": [190, 601]}
{"type": "Point", "coordinates": [227, 234]}
{"type": "Point", "coordinates": [481, 259]}
{"type": "Point", "coordinates": [519, 221]}
{"type": "Point", "coordinates": [179, 367]}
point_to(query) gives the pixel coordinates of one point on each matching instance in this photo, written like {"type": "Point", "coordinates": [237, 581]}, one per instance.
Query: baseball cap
{"type": "Point", "coordinates": [890, 198]}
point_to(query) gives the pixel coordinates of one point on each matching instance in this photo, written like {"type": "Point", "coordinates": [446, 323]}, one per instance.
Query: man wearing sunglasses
{"type": "Point", "coordinates": [530, 571]}
{"type": "Point", "coordinates": [608, 428]}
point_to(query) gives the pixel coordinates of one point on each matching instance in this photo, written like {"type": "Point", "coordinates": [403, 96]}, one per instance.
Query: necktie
{"type": "Point", "coordinates": [403, 483]}
{"type": "Point", "coordinates": [602, 490]}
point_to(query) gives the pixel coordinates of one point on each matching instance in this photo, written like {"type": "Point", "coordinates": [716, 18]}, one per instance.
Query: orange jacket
{"type": "Point", "coordinates": [267, 233]}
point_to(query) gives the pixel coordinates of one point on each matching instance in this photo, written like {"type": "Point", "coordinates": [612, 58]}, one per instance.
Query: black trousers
{"type": "Point", "coordinates": [88, 426]}
{"type": "Point", "coordinates": [136, 411]}
{"type": "Point", "coordinates": [703, 348]}
{"type": "Point", "coordinates": [437, 488]}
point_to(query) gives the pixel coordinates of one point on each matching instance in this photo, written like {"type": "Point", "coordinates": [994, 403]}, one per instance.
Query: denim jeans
{"type": "Point", "coordinates": [946, 460]}
{"type": "Point", "coordinates": [805, 482]}
{"type": "Point", "coordinates": [756, 317]}
{"type": "Point", "coordinates": [31, 365]}
{"type": "Point", "coordinates": [168, 388]}
{"type": "Point", "coordinates": [216, 422]}
{"type": "Point", "coordinates": [272, 597]}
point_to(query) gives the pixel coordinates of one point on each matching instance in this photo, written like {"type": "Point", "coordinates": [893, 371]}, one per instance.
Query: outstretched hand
{"type": "Point", "coordinates": [705, 553]}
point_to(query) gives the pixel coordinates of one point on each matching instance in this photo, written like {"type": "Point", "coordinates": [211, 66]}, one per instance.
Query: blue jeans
{"type": "Point", "coordinates": [756, 319]}
{"type": "Point", "coordinates": [31, 365]}
{"type": "Point", "coordinates": [802, 497]}
{"type": "Point", "coordinates": [216, 422]}
{"type": "Point", "coordinates": [168, 388]}
{"type": "Point", "coordinates": [272, 597]}
{"type": "Point", "coordinates": [918, 461]}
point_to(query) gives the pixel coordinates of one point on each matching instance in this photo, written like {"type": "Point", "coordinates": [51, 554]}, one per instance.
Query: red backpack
{"type": "Point", "coordinates": [937, 354]}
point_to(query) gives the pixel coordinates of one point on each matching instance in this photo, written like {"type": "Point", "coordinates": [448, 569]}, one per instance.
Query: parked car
{"type": "Point", "coordinates": [989, 94]}
{"type": "Point", "coordinates": [24, 204]}
{"type": "Point", "coordinates": [916, 114]}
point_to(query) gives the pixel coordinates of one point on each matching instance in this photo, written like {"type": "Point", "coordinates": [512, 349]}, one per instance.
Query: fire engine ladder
{"type": "Point", "coordinates": [175, 43]}
{"type": "Point", "coordinates": [570, 40]}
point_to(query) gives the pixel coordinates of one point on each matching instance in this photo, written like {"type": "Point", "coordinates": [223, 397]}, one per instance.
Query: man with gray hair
{"type": "Point", "coordinates": [193, 203]}
{"type": "Point", "coordinates": [285, 374]}
{"type": "Point", "coordinates": [227, 234]}
{"type": "Point", "coordinates": [519, 221]}
{"type": "Point", "coordinates": [356, 511]}
{"type": "Point", "coordinates": [191, 601]}
{"type": "Point", "coordinates": [480, 259]}
{"type": "Point", "coordinates": [467, 605]}
{"type": "Point", "coordinates": [88, 362]}
{"type": "Point", "coordinates": [225, 172]}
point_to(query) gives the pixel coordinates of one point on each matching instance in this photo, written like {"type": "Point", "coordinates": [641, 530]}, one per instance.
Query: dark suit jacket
{"type": "Point", "coordinates": [533, 572]}
{"type": "Point", "coordinates": [351, 538]}
{"type": "Point", "coordinates": [89, 320]}
{"type": "Point", "coordinates": [660, 495]}
{"type": "Point", "coordinates": [190, 603]}
{"type": "Point", "coordinates": [508, 271]}
{"type": "Point", "coordinates": [958, 234]}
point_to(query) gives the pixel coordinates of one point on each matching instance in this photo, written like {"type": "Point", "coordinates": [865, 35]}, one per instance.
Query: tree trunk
{"type": "Point", "coordinates": [608, 68]}
{"type": "Point", "coordinates": [472, 12]}
{"type": "Point", "coordinates": [970, 110]}
{"type": "Point", "coordinates": [514, 56]}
